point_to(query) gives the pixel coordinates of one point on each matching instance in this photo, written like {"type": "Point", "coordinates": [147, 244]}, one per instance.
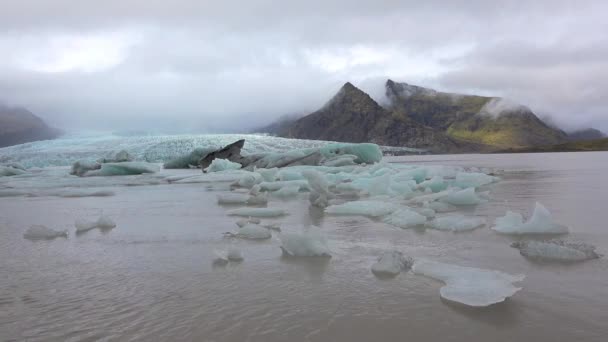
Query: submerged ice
{"type": "Point", "coordinates": [310, 243]}
{"type": "Point", "coordinates": [556, 250]}
{"type": "Point", "coordinates": [391, 263]}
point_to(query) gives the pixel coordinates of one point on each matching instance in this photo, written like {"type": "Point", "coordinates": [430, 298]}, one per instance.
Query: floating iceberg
{"type": "Point", "coordinates": [222, 258]}
{"type": "Point", "coordinates": [257, 212]}
{"type": "Point", "coordinates": [473, 179]}
{"type": "Point", "coordinates": [318, 185]}
{"type": "Point", "coordinates": [40, 232]}
{"type": "Point", "coordinates": [83, 225]}
{"type": "Point", "coordinates": [365, 208]}
{"type": "Point", "coordinates": [540, 222]}
{"type": "Point", "coordinates": [189, 160]}
{"type": "Point", "coordinates": [253, 232]}
{"type": "Point", "coordinates": [468, 285]}
{"type": "Point", "coordinates": [306, 244]}
{"type": "Point", "coordinates": [289, 175]}
{"type": "Point", "coordinates": [366, 153]}
{"type": "Point", "coordinates": [222, 165]}
{"type": "Point", "coordinates": [103, 222]}
{"type": "Point", "coordinates": [391, 264]}
{"type": "Point", "coordinates": [124, 169]}
{"type": "Point", "coordinates": [456, 223]}
{"type": "Point", "coordinates": [405, 218]}
{"type": "Point", "coordinates": [10, 171]}
{"type": "Point", "coordinates": [556, 250]}
{"type": "Point", "coordinates": [463, 197]}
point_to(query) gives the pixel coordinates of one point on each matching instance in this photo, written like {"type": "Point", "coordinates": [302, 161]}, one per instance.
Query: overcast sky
{"type": "Point", "coordinates": [200, 65]}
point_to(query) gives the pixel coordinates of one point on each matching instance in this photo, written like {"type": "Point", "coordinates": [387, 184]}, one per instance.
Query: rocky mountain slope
{"type": "Point", "coordinates": [423, 118]}
{"type": "Point", "coordinates": [586, 134]}
{"type": "Point", "coordinates": [18, 126]}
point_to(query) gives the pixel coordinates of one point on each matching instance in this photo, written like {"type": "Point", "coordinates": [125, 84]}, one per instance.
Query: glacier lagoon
{"type": "Point", "coordinates": [153, 276]}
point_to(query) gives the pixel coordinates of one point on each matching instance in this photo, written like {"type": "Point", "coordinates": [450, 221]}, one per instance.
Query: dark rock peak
{"type": "Point", "coordinates": [351, 98]}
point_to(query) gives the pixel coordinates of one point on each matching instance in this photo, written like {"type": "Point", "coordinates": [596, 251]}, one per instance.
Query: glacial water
{"type": "Point", "coordinates": [152, 278]}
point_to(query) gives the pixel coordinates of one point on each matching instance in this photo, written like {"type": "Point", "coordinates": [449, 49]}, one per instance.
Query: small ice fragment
{"type": "Point", "coordinates": [391, 264]}
{"type": "Point", "coordinates": [286, 175]}
{"type": "Point", "coordinates": [243, 222]}
{"type": "Point", "coordinates": [463, 197]}
{"type": "Point", "coordinates": [234, 254]}
{"type": "Point", "coordinates": [218, 164]}
{"type": "Point", "coordinates": [556, 250]}
{"type": "Point", "coordinates": [436, 184]}
{"type": "Point", "coordinates": [319, 193]}
{"type": "Point", "coordinates": [83, 225]}
{"type": "Point", "coordinates": [40, 232]}
{"type": "Point", "coordinates": [268, 175]}
{"type": "Point", "coordinates": [221, 259]}
{"type": "Point", "coordinates": [232, 198]}
{"type": "Point", "coordinates": [456, 223]}
{"type": "Point", "coordinates": [366, 208]}
{"type": "Point", "coordinates": [253, 232]}
{"type": "Point", "coordinates": [105, 222]}
{"type": "Point", "coordinates": [257, 212]}
{"type": "Point", "coordinates": [249, 179]}
{"type": "Point", "coordinates": [306, 244]}
{"type": "Point", "coordinates": [540, 222]}
{"type": "Point", "coordinates": [124, 169]}
{"type": "Point", "coordinates": [428, 212]}
{"type": "Point", "coordinates": [405, 218]}
{"type": "Point", "coordinates": [473, 179]}
{"type": "Point", "coordinates": [468, 285]}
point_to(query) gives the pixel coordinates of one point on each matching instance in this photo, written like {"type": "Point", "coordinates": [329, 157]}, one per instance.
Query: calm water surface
{"type": "Point", "coordinates": [151, 278]}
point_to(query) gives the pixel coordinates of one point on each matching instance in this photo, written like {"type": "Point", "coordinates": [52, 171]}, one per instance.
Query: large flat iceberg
{"type": "Point", "coordinates": [469, 285]}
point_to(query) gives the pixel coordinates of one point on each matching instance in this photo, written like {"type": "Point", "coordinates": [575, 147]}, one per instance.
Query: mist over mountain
{"type": "Point", "coordinates": [18, 125]}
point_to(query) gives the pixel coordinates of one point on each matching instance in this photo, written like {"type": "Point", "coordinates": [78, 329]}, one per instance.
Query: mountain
{"type": "Point", "coordinates": [423, 118]}
{"type": "Point", "coordinates": [484, 120]}
{"type": "Point", "coordinates": [353, 116]}
{"type": "Point", "coordinates": [585, 134]}
{"type": "Point", "coordinates": [18, 126]}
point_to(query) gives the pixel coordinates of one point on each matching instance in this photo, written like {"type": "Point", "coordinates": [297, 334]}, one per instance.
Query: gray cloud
{"type": "Point", "coordinates": [220, 66]}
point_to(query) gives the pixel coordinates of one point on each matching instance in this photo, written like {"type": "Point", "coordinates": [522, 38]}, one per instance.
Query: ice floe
{"type": "Point", "coordinates": [124, 169]}
{"type": "Point", "coordinates": [371, 208]}
{"type": "Point", "coordinates": [456, 223]}
{"type": "Point", "coordinates": [391, 263]}
{"type": "Point", "coordinates": [257, 212]}
{"type": "Point", "coordinates": [253, 232]}
{"type": "Point", "coordinates": [556, 250]}
{"type": "Point", "coordinates": [103, 222]}
{"type": "Point", "coordinates": [405, 218]}
{"type": "Point", "coordinates": [40, 232]}
{"type": "Point", "coordinates": [469, 285]}
{"type": "Point", "coordinates": [463, 197]}
{"type": "Point", "coordinates": [540, 222]}
{"type": "Point", "coordinates": [310, 243]}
